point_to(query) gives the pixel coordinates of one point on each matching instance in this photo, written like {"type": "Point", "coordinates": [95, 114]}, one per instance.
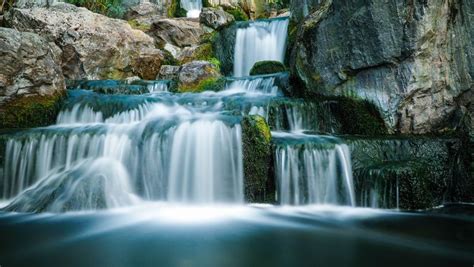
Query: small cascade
{"type": "Point", "coordinates": [122, 87]}
{"type": "Point", "coordinates": [257, 41]}
{"type": "Point", "coordinates": [263, 84]}
{"type": "Point", "coordinates": [193, 7]}
{"type": "Point", "coordinates": [312, 170]}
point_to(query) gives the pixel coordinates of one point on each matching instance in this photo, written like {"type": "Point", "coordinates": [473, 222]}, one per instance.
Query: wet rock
{"type": "Point", "coordinates": [197, 76]}
{"type": "Point", "coordinates": [267, 67]}
{"type": "Point", "coordinates": [413, 61]}
{"type": "Point", "coordinates": [93, 46]}
{"type": "Point", "coordinates": [31, 80]}
{"type": "Point", "coordinates": [259, 187]}
{"type": "Point", "coordinates": [215, 18]}
{"type": "Point", "coordinates": [168, 72]}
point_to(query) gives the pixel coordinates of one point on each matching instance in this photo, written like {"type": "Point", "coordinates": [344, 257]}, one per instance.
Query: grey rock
{"type": "Point", "coordinates": [28, 66]}
{"type": "Point", "coordinates": [178, 32]}
{"type": "Point", "coordinates": [93, 46]}
{"type": "Point", "coordinates": [193, 73]}
{"type": "Point", "coordinates": [412, 60]}
{"type": "Point", "coordinates": [168, 72]}
{"type": "Point", "coordinates": [215, 18]}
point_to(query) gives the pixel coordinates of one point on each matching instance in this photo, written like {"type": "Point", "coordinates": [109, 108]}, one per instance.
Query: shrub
{"type": "Point", "coordinates": [111, 8]}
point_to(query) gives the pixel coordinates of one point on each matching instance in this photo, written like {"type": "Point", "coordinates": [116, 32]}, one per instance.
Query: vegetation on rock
{"type": "Point", "coordinates": [111, 8]}
{"type": "Point", "coordinates": [256, 137]}
{"type": "Point", "coordinates": [267, 67]}
{"type": "Point", "coordinates": [30, 111]}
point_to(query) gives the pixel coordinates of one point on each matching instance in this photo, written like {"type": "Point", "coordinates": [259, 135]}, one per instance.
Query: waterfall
{"type": "Point", "coordinates": [193, 7]}
{"type": "Point", "coordinates": [265, 84]}
{"type": "Point", "coordinates": [257, 41]}
{"type": "Point", "coordinates": [312, 170]}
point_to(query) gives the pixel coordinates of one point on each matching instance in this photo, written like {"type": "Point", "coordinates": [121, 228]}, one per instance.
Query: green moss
{"type": "Point", "coordinates": [139, 26]}
{"type": "Point", "coordinates": [267, 67]}
{"type": "Point", "coordinates": [237, 12]}
{"type": "Point", "coordinates": [259, 186]}
{"type": "Point", "coordinates": [175, 10]}
{"type": "Point", "coordinates": [211, 84]}
{"type": "Point", "coordinates": [358, 116]}
{"type": "Point", "coordinates": [32, 111]}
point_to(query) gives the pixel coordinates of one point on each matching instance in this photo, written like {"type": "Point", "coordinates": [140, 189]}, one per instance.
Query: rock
{"type": "Point", "coordinates": [31, 80]}
{"type": "Point", "coordinates": [34, 3]}
{"type": "Point", "coordinates": [267, 67]}
{"type": "Point", "coordinates": [256, 137]}
{"type": "Point", "coordinates": [215, 18]}
{"type": "Point", "coordinates": [197, 52]}
{"type": "Point", "coordinates": [168, 72]}
{"type": "Point", "coordinates": [197, 76]}
{"type": "Point", "coordinates": [178, 32]}
{"type": "Point", "coordinates": [93, 46]}
{"type": "Point", "coordinates": [413, 61]}
{"type": "Point", "coordinates": [143, 10]}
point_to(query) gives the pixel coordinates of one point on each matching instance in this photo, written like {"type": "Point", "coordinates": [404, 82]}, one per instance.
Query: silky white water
{"type": "Point", "coordinates": [258, 41]}
{"type": "Point", "coordinates": [193, 7]}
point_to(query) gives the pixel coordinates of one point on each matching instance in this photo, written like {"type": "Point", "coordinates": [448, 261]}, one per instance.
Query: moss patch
{"type": "Point", "coordinates": [175, 10]}
{"type": "Point", "coordinates": [31, 111]}
{"type": "Point", "coordinates": [358, 116]}
{"type": "Point", "coordinates": [267, 67]}
{"type": "Point", "coordinates": [210, 84]}
{"type": "Point", "coordinates": [238, 13]}
{"type": "Point", "coordinates": [139, 26]}
{"type": "Point", "coordinates": [256, 136]}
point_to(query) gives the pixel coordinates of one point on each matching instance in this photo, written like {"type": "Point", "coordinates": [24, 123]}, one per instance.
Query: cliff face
{"type": "Point", "coordinates": [414, 59]}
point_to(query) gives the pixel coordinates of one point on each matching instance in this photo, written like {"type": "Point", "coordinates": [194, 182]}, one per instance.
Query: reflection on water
{"type": "Point", "coordinates": [168, 235]}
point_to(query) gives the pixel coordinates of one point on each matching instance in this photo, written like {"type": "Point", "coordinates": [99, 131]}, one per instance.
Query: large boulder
{"type": "Point", "coordinates": [31, 80]}
{"type": "Point", "coordinates": [215, 18]}
{"type": "Point", "coordinates": [93, 46]}
{"type": "Point", "coordinates": [413, 60]}
{"type": "Point", "coordinates": [177, 32]}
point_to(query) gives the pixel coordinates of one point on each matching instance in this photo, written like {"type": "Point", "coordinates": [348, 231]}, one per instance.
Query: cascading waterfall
{"type": "Point", "coordinates": [193, 7]}
{"type": "Point", "coordinates": [258, 41]}
{"type": "Point", "coordinates": [312, 170]}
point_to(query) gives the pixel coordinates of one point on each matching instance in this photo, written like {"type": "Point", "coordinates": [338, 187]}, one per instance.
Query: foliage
{"type": "Point", "coordinates": [267, 67]}
{"type": "Point", "coordinates": [210, 84]}
{"type": "Point", "coordinates": [111, 8]}
{"type": "Point", "coordinates": [139, 26]}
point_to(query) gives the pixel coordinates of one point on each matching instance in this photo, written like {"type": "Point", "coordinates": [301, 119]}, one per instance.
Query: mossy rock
{"type": "Point", "coordinates": [135, 24]}
{"type": "Point", "coordinates": [175, 10]}
{"type": "Point", "coordinates": [30, 111]}
{"type": "Point", "coordinates": [256, 138]}
{"type": "Point", "coordinates": [238, 13]}
{"type": "Point", "coordinates": [211, 84]}
{"type": "Point", "coordinates": [358, 116]}
{"type": "Point", "coordinates": [267, 67]}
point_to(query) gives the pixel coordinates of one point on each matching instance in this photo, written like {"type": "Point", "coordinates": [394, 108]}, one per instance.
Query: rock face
{"type": "Point", "coordinates": [168, 72]}
{"type": "Point", "coordinates": [93, 46]}
{"type": "Point", "coordinates": [30, 77]}
{"type": "Point", "coordinates": [215, 18]}
{"type": "Point", "coordinates": [177, 32]}
{"type": "Point", "coordinates": [413, 60]}
{"type": "Point", "coordinates": [195, 76]}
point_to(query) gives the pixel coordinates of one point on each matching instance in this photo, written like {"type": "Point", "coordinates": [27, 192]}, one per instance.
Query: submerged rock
{"type": "Point", "coordinates": [31, 80]}
{"type": "Point", "coordinates": [93, 46]}
{"type": "Point", "coordinates": [413, 61]}
{"type": "Point", "coordinates": [215, 18]}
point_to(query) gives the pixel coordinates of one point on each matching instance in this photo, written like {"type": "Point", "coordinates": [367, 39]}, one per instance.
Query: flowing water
{"type": "Point", "coordinates": [132, 174]}
{"type": "Point", "coordinates": [258, 41]}
{"type": "Point", "coordinates": [193, 7]}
